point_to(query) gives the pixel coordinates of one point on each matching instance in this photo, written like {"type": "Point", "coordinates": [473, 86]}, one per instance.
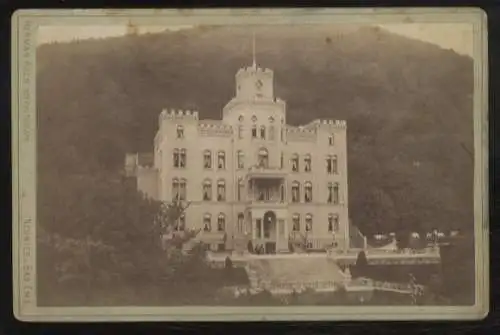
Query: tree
{"type": "Point", "coordinates": [97, 232]}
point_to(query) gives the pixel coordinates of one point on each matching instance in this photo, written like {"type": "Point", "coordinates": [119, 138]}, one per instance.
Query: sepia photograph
{"type": "Point", "coordinates": [230, 165]}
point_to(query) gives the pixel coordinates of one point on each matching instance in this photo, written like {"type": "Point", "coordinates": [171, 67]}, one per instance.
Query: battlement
{"type": "Point", "coordinates": [330, 123]}
{"type": "Point", "coordinates": [300, 130]}
{"type": "Point", "coordinates": [178, 115]}
{"type": "Point", "coordinates": [301, 134]}
{"type": "Point", "coordinates": [251, 70]}
{"type": "Point", "coordinates": [215, 129]}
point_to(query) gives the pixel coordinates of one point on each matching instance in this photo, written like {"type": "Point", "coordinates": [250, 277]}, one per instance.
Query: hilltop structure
{"type": "Point", "coordinates": [253, 181]}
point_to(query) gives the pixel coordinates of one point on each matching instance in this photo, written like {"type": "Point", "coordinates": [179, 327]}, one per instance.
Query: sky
{"type": "Point", "coordinates": [455, 36]}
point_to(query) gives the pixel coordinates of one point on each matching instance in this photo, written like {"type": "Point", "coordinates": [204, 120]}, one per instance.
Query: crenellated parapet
{"type": "Point", "coordinates": [179, 115]}
{"type": "Point", "coordinates": [250, 70]}
{"type": "Point", "coordinates": [215, 130]}
{"type": "Point", "coordinates": [301, 134]}
{"type": "Point", "coordinates": [329, 123]}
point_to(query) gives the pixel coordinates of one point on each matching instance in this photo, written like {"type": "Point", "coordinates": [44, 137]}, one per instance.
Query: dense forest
{"type": "Point", "coordinates": [408, 106]}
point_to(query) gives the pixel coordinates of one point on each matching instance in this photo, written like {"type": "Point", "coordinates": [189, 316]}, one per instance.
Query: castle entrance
{"type": "Point", "coordinates": [270, 232]}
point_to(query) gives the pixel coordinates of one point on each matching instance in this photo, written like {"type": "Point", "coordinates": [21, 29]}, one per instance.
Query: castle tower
{"type": "Point", "coordinates": [254, 82]}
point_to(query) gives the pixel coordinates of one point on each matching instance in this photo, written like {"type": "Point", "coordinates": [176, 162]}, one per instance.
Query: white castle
{"type": "Point", "coordinates": [252, 180]}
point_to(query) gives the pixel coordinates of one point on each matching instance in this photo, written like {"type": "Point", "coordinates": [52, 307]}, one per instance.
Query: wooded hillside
{"type": "Point", "coordinates": [408, 106]}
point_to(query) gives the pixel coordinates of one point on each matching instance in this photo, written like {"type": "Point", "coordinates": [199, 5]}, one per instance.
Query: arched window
{"type": "Point", "coordinates": [295, 163]}
{"type": "Point", "coordinates": [296, 222]}
{"type": "Point", "coordinates": [175, 189]}
{"type": "Point", "coordinates": [221, 222]}
{"type": "Point", "coordinates": [308, 193]}
{"type": "Point", "coordinates": [176, 157]}
{"type": "Point", "coordinates": [254, 118]}
{"type": "Point", "coordinates": [207, 222]}
{"type": "Point", "coordinates": [241, 188]}
{"type": "Point", "coordinates": [180, 131]}
{"type": "Point", "coordinates": [241, 159]}
{"type": "Point", "coordinates": [309, 222]}
{"type": "Point", "coordinates": [263, 132]}
{"type": "Point", "coordinates": [332, 164]}
{"type": "Point", "coordinates": [207, 190]}
{"type": "Point", "coordinates": [221, 190]}
{"type": "Point", "coordinates": [221, 160]}
{"type": "Point", "coordinates": [331, 140]}
{"type": "Point", "coordinates": [254, 131]}
{"type": "Point", "coordinates": [182, 189]}
{"type": "Point", "coordinates": [241, 223]}
{"type": "Point", "coordinates": [207, 159]}
{"type": "Point", "coordinates": [263, 158]}
{"type": "Point", "coordinates": [295, 191]}
{"type": "Point", "coordinates": [307, 163]}
{"type": "Point", "coordinates": [333, 223]}
{"type": "Point", "coordinates": [183, 158]}
{"type": "Point", "coordinates": [336, 193]}
{"type": "Point", "coordinates": [333, 193]}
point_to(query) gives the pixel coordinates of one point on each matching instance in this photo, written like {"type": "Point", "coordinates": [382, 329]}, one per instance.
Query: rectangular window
{"type": "Point", "coordinates": [331, 140]}
{"type": "Point", "coordinates": [180, 131]}
{"type": "Point", "coordinates": [332, 165]}
{"type": "Point", "coordinates": [221, 192]}
{"type": "Point", "coordinates": [241, 159]}
{"type": "Point", "coordinates": [176, 158]}
{"type": "Point", "coordinates": [182, 190]}
{"type": "Point", "coordinates": [309, 223]}
{"type": "Point", "coordinates": [307, 164]}
{"type": "Point", "coordinates": [295, 192]}
{"type": "Point", "coordinates": [221, 160]}
{"type": "Point", "coordinates": [295, 164]}
{"type": "Point", "coordinates": [336, 194]}
{"type": "Point", "coordinates": [207, 223]}
{"type": "Point", "coordinates": [207, 160]}
{"type": "Point", "coordinates": [207, 192]}
{"type": "Point", "coordinates": [183, 158]}
{"type": "Point", "coordinates": [296, 223]}
{"type": "Point", "coordinates": [308, 193]}
{"type": "Point", "coordinates": [254, 131]}
{"type": "Point", "coordinates": [175, 190]}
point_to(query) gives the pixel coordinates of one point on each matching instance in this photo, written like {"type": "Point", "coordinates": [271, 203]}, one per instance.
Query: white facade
{"type": "Point", "coordinates": [250, 176]}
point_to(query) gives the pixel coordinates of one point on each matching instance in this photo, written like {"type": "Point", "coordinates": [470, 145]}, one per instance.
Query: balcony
{"type": "Point", "coordinates": [267, 204]}
{"type": "Point", "coordinates": [263, 172]}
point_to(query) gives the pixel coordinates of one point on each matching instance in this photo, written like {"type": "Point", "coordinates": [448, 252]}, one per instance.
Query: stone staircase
{"type": "Point", "coordinates": [296, 271]}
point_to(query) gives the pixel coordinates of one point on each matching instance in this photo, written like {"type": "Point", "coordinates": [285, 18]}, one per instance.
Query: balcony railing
{"type": "Point", "coordinates": [262, 171]}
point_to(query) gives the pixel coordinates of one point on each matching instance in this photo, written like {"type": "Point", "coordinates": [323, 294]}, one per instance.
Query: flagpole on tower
{"type": "Point", "coordinates": [254, 64]}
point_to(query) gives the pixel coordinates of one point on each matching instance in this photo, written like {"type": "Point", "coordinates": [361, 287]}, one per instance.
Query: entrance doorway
{"type": "Point", "coordinates": [270, 224]}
